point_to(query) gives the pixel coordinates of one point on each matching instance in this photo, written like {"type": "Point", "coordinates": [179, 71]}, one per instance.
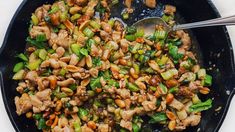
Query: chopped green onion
{"type": "Point", "coordinates": [41, 37]}
{"type": "Point", "coordinates": [54, 9]}
{"type": "Point", "coordinates": [135, 127]}
{"type": "Point", "coordinates": [42, 124]}
{"type": "Point", "coordinates": [37, 116]}
{"type": "Point", "coordinates": [139, 33]}
{"type": "Point", "coordinates": [132, 87]}
{"type": "Point", "coordinates": [73, 87]}
{"type": "Point", "coordinates": [88, 32]}
{"type": "Point", "coordinates": [23, 57]}
{"type": "Point", "coordinates": [95, 24]}
{"type": "Point", "coordinates": [173, 90]}
{"type": "Point", "coordinates": [82, 112]}
{"type": "Point", "coordinates": [51, 51]}
{"type": "Point", "coordinates": [84, 52]}
{"type": "Point", "coordinates": [95, 83]}
{"type": "Point", "coordinates": [169, 74]}
{"type": "Point", "coordinates": [18, 67]}
{"type": "Point", "coordinates": [131, 30]}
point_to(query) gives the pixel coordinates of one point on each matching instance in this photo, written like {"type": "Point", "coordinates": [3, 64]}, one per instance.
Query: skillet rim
{"type": "Point", "coordinates": [6, 37]}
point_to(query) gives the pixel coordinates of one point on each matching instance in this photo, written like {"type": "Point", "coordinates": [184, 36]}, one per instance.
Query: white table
{"type": "Point", "coordinates": [7, 9]}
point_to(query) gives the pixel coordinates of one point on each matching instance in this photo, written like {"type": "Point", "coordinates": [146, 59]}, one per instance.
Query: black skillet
{"type": "Point", "coordinates": [212, 45]}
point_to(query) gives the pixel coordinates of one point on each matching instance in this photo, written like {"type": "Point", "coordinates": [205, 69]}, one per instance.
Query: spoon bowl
{"type": "Point", "coordinates": [149, 24]}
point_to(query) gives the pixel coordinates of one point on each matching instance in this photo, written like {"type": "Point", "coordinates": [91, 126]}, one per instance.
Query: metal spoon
{"type": "Point", "coordinates": [148, 24]}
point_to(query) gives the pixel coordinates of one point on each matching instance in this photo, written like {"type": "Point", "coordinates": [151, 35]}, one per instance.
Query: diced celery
{"type": "Point", "coordinates": [88, 32]}
{"type": "Point", "coordinates": [201, 74]}
{"type": "Point", "coordinates": [34, 65]}
{"type": "Point", "coordinates": [34, 19]}
{"type": "Point", "coordinates": [95, 24]}
{"type": "Point", "coordinates": [75, 17]}
{"type": "Point", "coordinates": [42, 54]}
{"type": "Point", "coordinates": [169, 74]}
{"type": "Point", "coordinates": [133, 87]}
{"type": "Point", "coordinates": [19, 75]}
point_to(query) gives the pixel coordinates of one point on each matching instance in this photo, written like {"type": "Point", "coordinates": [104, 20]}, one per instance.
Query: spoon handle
{"type": "Point", "coordinates": [213, 22]}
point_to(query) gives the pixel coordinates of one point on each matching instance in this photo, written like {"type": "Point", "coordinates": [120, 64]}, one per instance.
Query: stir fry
{"type": "Point", "coordinates": [83, 71]}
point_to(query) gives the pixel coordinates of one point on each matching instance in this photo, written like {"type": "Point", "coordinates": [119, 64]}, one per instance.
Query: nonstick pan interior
{"type": "Point", "coordinates": [212, 44]}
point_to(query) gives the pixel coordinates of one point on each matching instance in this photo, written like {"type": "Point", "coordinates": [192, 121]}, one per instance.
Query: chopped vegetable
{"type": "Point", "coordinates": [207, 81]}
{"type": "Point", "coordinates": [201, 74]}
{"type": "Point", "coordinates": [158, 117]}
{"type": "Point", "coordinates": [95, 83]}
{"type": "Point", "coordinates": [23, 57]}
{"type": "Point", "coordinates": [201, 106]}
{"type": "Point", "coordinates": [169, 74]}
{"type": "Point", "coordinates": [95, 24]}
{"type": "Point", "coordinates": [18, 67]}
{"type": "Point", "coordinates": [88, 32]}
{"type": "Point", "coordinates": [135, 127]}
{"type": "Point", "coordinates": [130, 37]}
{"type": "Point", "coordinates": [132, 87]}
{"type": "Point", "coordinates": [34, 19]}
{"type": "Point", "coordinates": [34, 65]}
{"type": "Point", "coordinates": [42, 124]}
{"type": "Point", "coordinates": [42, 54]}
{"type": "Point", "coordinates": [19, 75]}
{"type": "Point", "coordinates": [131, 30]}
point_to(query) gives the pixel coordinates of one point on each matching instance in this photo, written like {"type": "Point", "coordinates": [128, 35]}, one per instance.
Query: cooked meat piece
{"type": "Point", "coordinates": [42, 82]}
{"type": "Point", "coordinates": [151, 3]}
{"type": "Point", "coordinates": [84, 128]}
{"type": "Point", "coordinates": [185, 39]}
{"type": "Point", "coordinates": [41, 101]}
{"type": "Point", "coordinates": [44, 95]}
{"type": "Point", "coordinates": [39, 30]}
{"type": "Point", "coordinates": [23, 104]}
{"type": "Point", "coordinates": [81, 2]}
{"type": "Point", "coordinates": [176, 104]}
{"type": "Point", "coordinates": [150, 105]}
{"type": "Point", "coordinates": [90, 8]}
{"type": "Point", "coordinates": [192, 120]}
{"type": "Point", "coordinates": [126, 124]}
{"type": "Point", "coordinates": [62, 39]}
{"type": "Point", "coordinates": [169, 9]}
{"type": "Point", "coordinates": [66, 82]}
{"type": "Point", "coordinates": [32, 76]}
{"type": "Point", "coordinates": [185, 91]}
{"type": "Point", "coordinates": [41, 12]}
{"type": "Point", "coordinates": [124, 93]}
{"type": "Point", "coordinates": [103, 128]}
{"type": "Point", "coordinates": [116, 36]}
{"type": "Point", "coordinates": [127, 114]}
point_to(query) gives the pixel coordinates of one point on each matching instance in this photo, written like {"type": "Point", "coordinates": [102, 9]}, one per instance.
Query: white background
{"type": "Point", "coordinates": [7, 9]}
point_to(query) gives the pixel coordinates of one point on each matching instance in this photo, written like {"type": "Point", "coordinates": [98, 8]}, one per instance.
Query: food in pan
{"type": "Point", "coordinates": [83, 71]}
